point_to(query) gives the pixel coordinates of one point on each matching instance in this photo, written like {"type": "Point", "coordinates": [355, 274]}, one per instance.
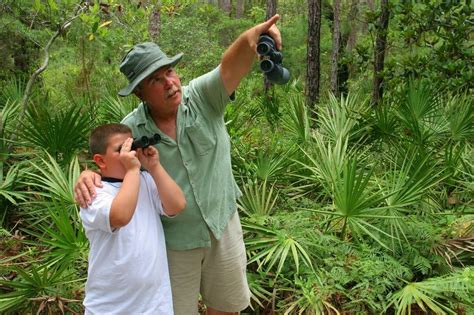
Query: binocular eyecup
{"type": "Point", "coordinates": [144, 142]}
{"type": "Point", "coordinates": [272, 59]}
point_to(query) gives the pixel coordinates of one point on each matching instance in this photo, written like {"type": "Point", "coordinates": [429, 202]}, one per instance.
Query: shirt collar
{"type": "Point", "coordinates": [142, 113]}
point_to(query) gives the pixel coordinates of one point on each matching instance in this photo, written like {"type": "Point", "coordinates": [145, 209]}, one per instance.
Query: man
{"type": "Point", "coordinates": [206, 252]}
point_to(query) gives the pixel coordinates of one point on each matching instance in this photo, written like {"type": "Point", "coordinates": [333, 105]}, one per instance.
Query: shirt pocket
{"type": "Point", "coordinates": [201, 137]}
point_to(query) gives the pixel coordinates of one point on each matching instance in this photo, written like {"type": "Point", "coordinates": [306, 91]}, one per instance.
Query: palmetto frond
{"type": "Point", "coordinates": [268, 247]}
{"type": "Point", "coordinates": [325, 162]}
{"type": "Point", "coordinates": [257, 285]}
{"type": "Point", "coordinates": [297, 120]}
{"type": "Point", "coordinates": [257, 199]}
{"type": "Point", "coordinates": [310, 297]}
{"type": "Point", "coordinates": [114, 109]}
{"type": "Point", "coordinates": [272, 164]}
{"type": "Point", "coordinates": [420, 115]}
{"type": "Point", "coordinates": [340, 118]}
{"type": "Point", "coordinates": [460, 116]}
{"type": "Point", "coordinates": [33, 282]}
{"type": "Point", "coordinates": [12, 91]}
{"type": "Point", "coordinates": [61, 235]}
{"type": "Point", "coordinates": [409, 178]}
{"type": "Point", "coordinates": [9, 117]}
{"type": "Point", "coordinates": [8, 183]}
{"type": "Point", "coordinates": [51, 181]}
{"type": "Point", "coordinates": [61, 134]}
{"type": "Point", "coordinates": [434, 294]}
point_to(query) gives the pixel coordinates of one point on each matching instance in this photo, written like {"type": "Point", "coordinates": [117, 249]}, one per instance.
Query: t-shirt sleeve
{"type": "Point", "coordinates": [210, 91]}
{"type": "Point", "coordinates": [153, 192]}
{"type": "Point", "coordinates": [97, 215]}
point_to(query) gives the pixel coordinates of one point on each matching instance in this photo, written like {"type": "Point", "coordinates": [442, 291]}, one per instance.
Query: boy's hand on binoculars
{"type": "Point", "coordinates": [270, 27]}
{"type": "Point", "coordinates": [127, 157]}
{"type": "Point", "coordinates": [149, 157]}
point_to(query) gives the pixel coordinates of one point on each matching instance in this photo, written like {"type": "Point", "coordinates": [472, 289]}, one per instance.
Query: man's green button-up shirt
{"type": "Point", "coordinates": [199, 161]}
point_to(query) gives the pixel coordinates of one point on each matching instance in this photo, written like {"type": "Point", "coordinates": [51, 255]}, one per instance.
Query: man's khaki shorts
{"type": "Point", "coordinates": [218, 273]}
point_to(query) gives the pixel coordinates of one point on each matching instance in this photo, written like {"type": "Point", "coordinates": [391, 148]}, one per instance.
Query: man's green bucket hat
{"type": "Point", "coordinates": [141, 61]}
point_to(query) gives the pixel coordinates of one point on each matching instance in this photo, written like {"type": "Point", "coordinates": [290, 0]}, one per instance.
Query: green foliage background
{"type": "Point", "coordinates": [347, 208]}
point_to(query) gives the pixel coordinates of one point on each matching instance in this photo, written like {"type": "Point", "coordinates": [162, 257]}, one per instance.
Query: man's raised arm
{"type": "Point", "coordinates": [239, 57]}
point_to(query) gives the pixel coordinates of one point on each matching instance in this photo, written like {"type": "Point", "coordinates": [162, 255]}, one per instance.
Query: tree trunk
{"type": "Point", "coordinates": [29, 86]}
{"type": "Point", "coordinates": [313, 67]}
{"type": "Point", "coordinates": [353, 25]}
{"type": "Point", "coordinates": [371, 6]}
{"type": "Point", "coordinates": [226, 6]}
{"type": "Point", "coordinates": [336, 38]}
{"type": "Point", "coordinates": [271, 8]}
{"type": "Point", "coordinates": [239, 10]}
{"type": "Point", "coordinates": [154, 22]}
{"type": "Point", "coordinates": [271, 11]}
{"type": "Point", "coordinates": [379, 52]}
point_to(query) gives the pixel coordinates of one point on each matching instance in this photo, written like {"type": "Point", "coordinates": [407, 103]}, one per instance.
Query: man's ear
{"type": "Point", "coordinates": [99, 160]}
{"type": "Point", "coordinates": [138, 92]}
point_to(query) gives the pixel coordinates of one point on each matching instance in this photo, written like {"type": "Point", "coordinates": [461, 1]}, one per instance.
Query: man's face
{"type": "Point", "coordinates": [161, 91]}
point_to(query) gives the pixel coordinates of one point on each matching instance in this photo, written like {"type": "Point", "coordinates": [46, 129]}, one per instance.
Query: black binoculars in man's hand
{"type": "Point", "coordinates": [144, 142]}
{"type": "Point", "coordinates": [271, 62]}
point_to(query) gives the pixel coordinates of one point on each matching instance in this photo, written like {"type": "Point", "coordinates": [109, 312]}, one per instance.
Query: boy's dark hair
{"type": "Point", "coordinates": [100, 136]}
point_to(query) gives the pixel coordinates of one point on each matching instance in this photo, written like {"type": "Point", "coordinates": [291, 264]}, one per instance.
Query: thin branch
{"type": "Point", "coordinates": [29, 86]}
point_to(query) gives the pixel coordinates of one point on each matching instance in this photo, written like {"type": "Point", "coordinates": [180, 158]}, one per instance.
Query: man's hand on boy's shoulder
{"type": "Point", "coordinates": [84, 190]}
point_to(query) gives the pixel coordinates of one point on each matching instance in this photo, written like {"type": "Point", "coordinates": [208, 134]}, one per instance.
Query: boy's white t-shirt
{"type": "Point", "coordinates": [128, 267]}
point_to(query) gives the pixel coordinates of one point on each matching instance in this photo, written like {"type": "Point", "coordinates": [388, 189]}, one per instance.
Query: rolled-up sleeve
{"type": "Point", "coordinates": [209, 89]}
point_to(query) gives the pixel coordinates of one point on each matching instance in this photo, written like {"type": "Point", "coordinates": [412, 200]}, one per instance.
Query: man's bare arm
{"type": "Point", "coordinates": [239, 57]}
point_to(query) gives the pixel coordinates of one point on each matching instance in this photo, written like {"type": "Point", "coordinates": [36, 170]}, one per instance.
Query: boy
{"type": "Point", "coordinates": [128, 269]}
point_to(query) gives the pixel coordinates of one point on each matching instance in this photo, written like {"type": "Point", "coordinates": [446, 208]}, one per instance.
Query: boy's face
{"type": "Point", "coordinates": [109, 162]}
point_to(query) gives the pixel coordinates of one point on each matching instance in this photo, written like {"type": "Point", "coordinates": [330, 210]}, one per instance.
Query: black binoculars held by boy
{"type": "Point", "coordinates": [144, 142]}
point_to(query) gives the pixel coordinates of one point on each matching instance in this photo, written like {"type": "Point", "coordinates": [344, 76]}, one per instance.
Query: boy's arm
{"type": "Point", "coordinates": [124, 204]}
{"type": "Point", "coordinates": [172, 197]}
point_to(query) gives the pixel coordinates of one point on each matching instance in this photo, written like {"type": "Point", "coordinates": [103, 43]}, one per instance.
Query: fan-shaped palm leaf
{"type": "Point", "coordinates": [62, 236]}
{"type": "Point", "coordinates": [325, 163]}
{"type": "Point", "coordinates": [31, 283]}
{"type": "Point", "coordinates": [420, 113]}
{"type": "Point", "coordinates": [114, 109]}
{"type": "Point", "coordinates": [52, 182]}
{"type": "Point", "coordinates": [309, 297]}
{"type": "Point", "coordinates": [340, 118]}
{"type": "Point", "coordinates": [258, 290]}
{"type": "Point", "coordinates": [460, 116]}
{"type": "Point", "coordinates": [434, 294]}
{"type": "Point", "coordinates": [61, 134]}
{"type": "Point", "coordinates": [12, 91]}
{"type": "Point", "coordinates": [271, 164]}
{"type": "Point", "coordinates": [357, 203]}
{"type": "Point", "coordinates": [297, 119]}
{"type": "Point", "coordinates": [405, 184]}
{"type": "Point", "coordinates": [269, 247]}
{"type": "Point", "coordinates": [257, 199]}
{"type": "Point", "coordinates": [8, 184]}
{"type": "Point", "coordinates": [8, 121]}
